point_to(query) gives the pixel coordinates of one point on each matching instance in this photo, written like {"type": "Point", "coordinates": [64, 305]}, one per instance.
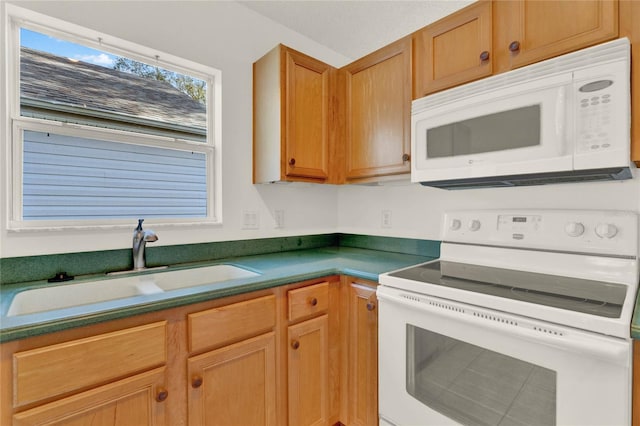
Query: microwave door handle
{"type": "Point", "coordinates": [561, 120]}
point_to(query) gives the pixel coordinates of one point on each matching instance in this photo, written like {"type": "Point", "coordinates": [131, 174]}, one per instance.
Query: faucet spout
{"type": "Point", "coordinates": [140, 239]}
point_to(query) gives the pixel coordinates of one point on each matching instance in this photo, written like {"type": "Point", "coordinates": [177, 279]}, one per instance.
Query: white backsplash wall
{"type": "Point", "coordinates": [224, 35]}
{"type": "Point", "coordinates": [416, 210]}
{"type": "Point", "coordinates": [230, 37]}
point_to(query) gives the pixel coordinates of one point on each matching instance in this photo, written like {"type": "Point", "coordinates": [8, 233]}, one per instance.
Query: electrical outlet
{"type": "Point", "coordinates": [250, 219]}
{"type": "Point", "coordinates": [386, 218]}
{"type": "Point", "coordinates": [278, 215]}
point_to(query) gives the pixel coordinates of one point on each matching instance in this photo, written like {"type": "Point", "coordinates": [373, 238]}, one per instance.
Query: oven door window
{"type": "Point", "coordinates": [476, 386]}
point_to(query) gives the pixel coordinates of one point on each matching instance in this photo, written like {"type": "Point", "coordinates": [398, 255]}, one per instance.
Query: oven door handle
{"type": "Point", "coordinates": [613, 350]}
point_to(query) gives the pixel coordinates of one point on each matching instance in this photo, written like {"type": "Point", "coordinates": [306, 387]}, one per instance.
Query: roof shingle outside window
{"type": "Point", "coordinates": [55, 84]}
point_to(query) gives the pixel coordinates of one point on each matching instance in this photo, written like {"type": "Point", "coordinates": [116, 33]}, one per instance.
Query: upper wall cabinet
{"type": "Point", "coordinates": [291, 109]}
{"type": "Point", "coordinates": [378, 113]}
{"type": "Point", "coordinates": [454, 50]}
{"type": "Point", "coordinates": [528, 31]}
{"type": "Point", "coordinates": [630, 27]}
{"type": "Point", "coordinates": [489, 37]}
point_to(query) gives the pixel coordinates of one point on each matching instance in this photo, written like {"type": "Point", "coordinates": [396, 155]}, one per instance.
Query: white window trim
{"type": "Point", "coordinates": [16, 17]}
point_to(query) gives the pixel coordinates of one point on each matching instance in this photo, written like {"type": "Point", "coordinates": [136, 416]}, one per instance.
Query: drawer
{"type": "Point", "coordinates": [308, 301]}
{"type": "Point", "coordinates": [220, 326]}
{"type": "Point", "coordinates": [79, 364]}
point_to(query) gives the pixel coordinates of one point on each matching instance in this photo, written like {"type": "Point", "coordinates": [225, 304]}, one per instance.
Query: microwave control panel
{"type": "Point", "coordinates": [601, 98]}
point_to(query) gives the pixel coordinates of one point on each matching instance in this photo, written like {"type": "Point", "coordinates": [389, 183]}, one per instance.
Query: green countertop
{"type": "Point", "coordinates": [635, 321]}
{"type": "Point", "coordinates": [275, 269]}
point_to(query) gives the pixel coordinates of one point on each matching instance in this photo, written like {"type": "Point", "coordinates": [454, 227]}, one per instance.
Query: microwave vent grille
{"type": "Point", "coordinates": [607, 52]}
{"type": "Point", "coordinates": [533, 179]}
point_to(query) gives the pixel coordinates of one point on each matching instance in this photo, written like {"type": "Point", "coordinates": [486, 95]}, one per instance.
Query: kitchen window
{"type": "Point", "coordinates": [104, 131]}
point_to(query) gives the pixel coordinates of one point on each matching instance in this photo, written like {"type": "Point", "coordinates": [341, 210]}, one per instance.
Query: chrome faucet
{"type": "Point", "coordinates": [140, 239]}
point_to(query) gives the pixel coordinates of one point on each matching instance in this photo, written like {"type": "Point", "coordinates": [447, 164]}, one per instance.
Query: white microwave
{"type": "Point", "coordinates": [565, 119]}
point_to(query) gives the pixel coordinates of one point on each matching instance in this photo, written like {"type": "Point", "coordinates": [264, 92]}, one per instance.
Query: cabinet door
{"type": "Point", "coordinates": [234, 385]}
{"type": "Point", "coordinates": [363, 355]}
{"type": "Point", "coordinates": [636, 383]}
{"type": "Point", "coordinates": [630, 28]}
{"type": "Point", "coordinates": [529, 31]}
{"type": "Point", "coordinates": [306, 117]}
{"type": "Point", "coordinates": [308, 368]}
{"type": "Point", "coordinates": [138, 400]}
{"type": "Point", "coordinates": [454, 50]}
{"type": "Point", "coordinates": [378, 119]}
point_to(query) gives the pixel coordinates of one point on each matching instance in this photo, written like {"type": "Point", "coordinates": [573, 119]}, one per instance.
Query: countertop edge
{"type": "Point", "coordinates": [358, 263]}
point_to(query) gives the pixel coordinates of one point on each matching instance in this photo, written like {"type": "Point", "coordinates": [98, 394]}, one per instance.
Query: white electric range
{"type": "Point", "coordinates": [524, 320]}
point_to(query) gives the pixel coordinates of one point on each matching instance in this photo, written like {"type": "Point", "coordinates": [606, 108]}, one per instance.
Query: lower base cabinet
{"type": "Point", "coordinates": [234, 385]}
{"type": "Point", "coordinates": [133, 401]}
{"type": "Point", "coordinates": [299, 354]}
{"type": "Point", "coordinates": [362, 352]}
{"type": "Point", "coordinates": [308, 372]}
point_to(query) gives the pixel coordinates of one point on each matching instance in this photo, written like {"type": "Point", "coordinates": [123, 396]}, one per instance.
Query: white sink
{"type": "Point", "coordinates": [172, 280]}
{"type": "Point", "coordinates": [90, 292]}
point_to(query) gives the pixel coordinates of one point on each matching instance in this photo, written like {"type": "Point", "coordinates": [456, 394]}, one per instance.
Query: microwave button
{"type": "Point", "coordinates": [606, 95]}
{"type": "Point", "coordinates": [606, 145]}
{"type": "Point", "coordinates": [606, 101]}
{"type": "Point", "coordinates": [595, 86]}
{"type": "Point", "coordinates": [595, 146]}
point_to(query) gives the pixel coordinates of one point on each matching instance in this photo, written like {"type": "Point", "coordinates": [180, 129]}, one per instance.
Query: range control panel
{"type": "Point", "coordinates": [581, 231]}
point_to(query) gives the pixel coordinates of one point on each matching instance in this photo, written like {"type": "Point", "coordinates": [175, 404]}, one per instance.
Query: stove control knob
{"type": "Point", "coordinates": [474, 225]}
{"type": "Point", "coordinates": [574, 229]}
{"type": "Point", "coordinates": [606, 230]}
{"type": "Point", "coordinates": [455, 224]}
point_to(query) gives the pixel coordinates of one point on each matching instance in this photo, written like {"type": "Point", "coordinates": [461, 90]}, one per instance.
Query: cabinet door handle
{"type": "Point", "coordinates": [484, 56]}
{"type": "Point", "coordinates": [370, 306]}
{"type": "Point", "coordinates": [514, 46]}
{"type": "Point", "coordinates": [196, 382]}
{"type": "Point", "coordinates": [406, 157]}
{"type": "Point", "coordinates": [162, 394]}
{"type": "Point", "coordinates": [292, 161]}
{"type": "Point", "coordinates": [295, 344]}
{"type": "Point", "coordinates": [313, 301]}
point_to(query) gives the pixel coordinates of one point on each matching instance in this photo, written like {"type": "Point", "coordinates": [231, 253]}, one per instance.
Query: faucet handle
{"type": "Point", "coordinates": [139, 228]}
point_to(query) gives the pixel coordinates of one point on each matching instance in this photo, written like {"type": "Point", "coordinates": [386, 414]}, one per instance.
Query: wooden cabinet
{"type": "Point", "coordinates": [106, 379]}
{"type": "Point", "coordinates": [308, 355]}
{"type": "Point", "coordinates": [235, 383]}
{"type": "Point", "coordinates": [137, 400]}
{"type": "Point", "coordinates": [630, 27]}
{"type": "Point", "coordinates": [454, 50]}
{"type": "Point", "coordinates": [270, 357]}
{"type": "Point", "coordinates": [308, 372]}
{"type": "Point", "coordinates": [490, 37]}
{"type": "Point", "coordinates": [291, 117]}
{"type": "Point", "coordinates": [378, 113]}
{"type": "Point", "coordinates": [362, 352]}
{"type": "Point", "coordinates": [528, 31]}
{"type": "Point", "coordinates": [635, 394]}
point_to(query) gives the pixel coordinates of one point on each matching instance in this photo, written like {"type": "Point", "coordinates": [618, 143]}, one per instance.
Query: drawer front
{"type": "Point", "coordinates": [66, 367]}
{"type": "Point", "coordinates": [308, 301]}
{"type": "Point", "coordinates": [220, 326]}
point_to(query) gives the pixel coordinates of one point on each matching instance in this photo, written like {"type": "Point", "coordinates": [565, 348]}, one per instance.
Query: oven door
{"type": "Point", "coordinates": [447, 363]}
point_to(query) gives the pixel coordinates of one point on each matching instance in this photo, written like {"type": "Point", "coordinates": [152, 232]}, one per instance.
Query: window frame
{"type": "Point", "coordinates": [16, 18]}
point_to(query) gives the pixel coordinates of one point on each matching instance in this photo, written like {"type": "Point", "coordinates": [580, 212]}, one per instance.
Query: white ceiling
{"type": "Point", "coordinates": [355, 28]}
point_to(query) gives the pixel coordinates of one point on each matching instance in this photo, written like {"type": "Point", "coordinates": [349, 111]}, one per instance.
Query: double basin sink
{"type": "Point", "coordinates": [136, 284]}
